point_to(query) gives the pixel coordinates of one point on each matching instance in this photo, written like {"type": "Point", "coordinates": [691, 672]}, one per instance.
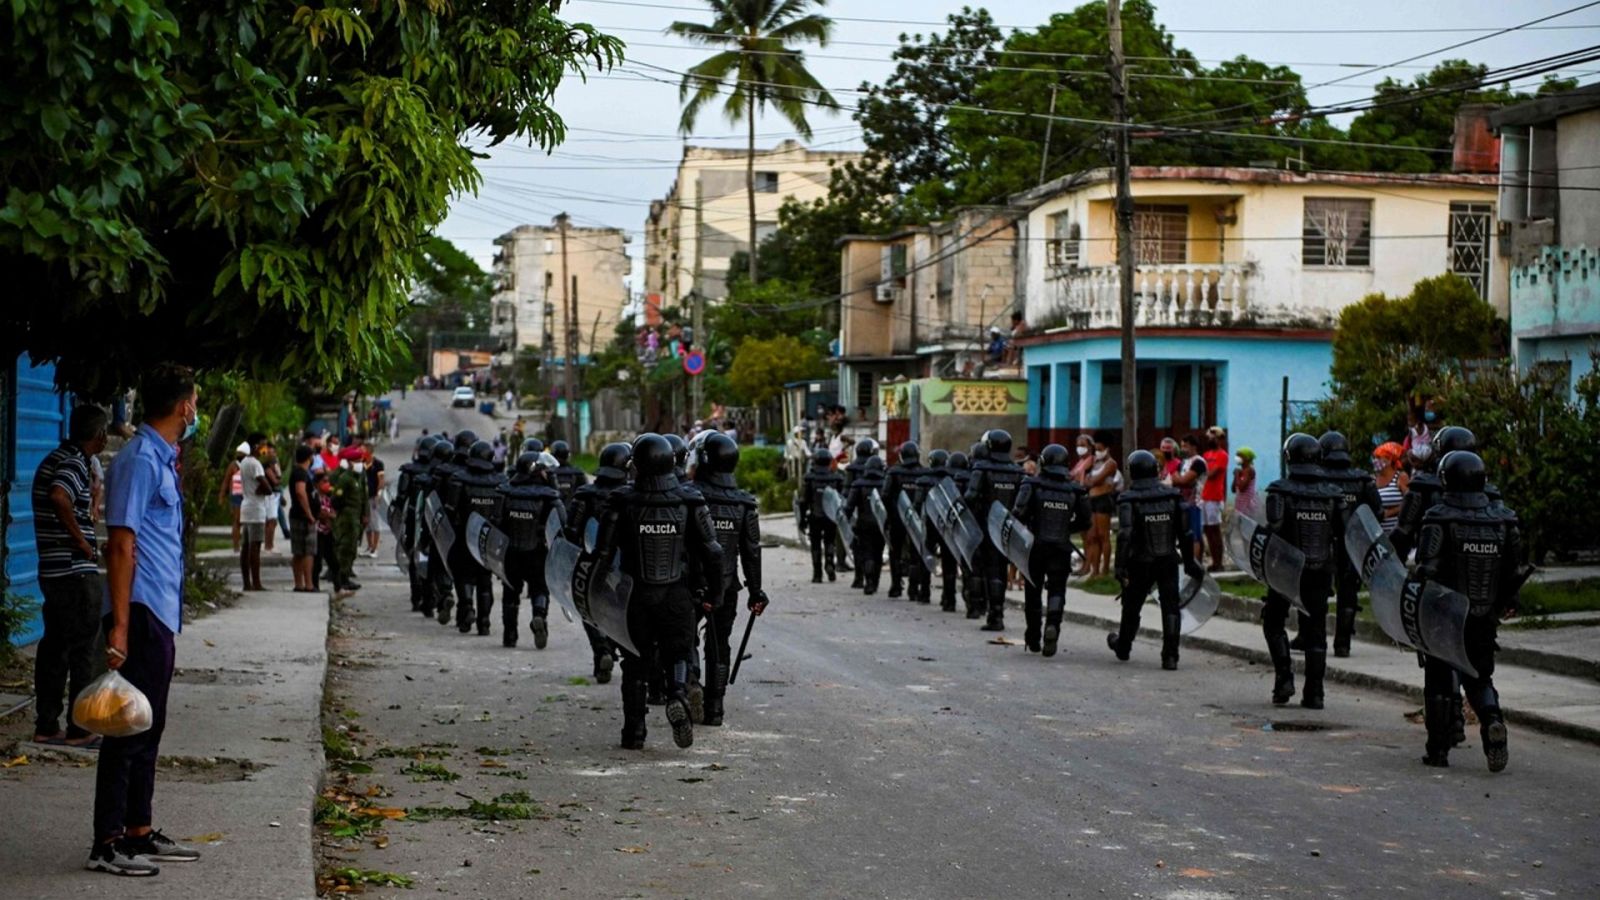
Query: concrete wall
{"type": "Point", "coordinates": [1577, 154]}
{"type": "Point", "coordinates": [531, 276]}
{"type": "Point", "coordinates": [954, 413]}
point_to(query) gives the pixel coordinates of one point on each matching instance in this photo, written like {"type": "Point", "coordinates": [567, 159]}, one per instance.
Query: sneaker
{"type": "Point", "coordinates": [110, 857]}
{"type": "Point", "coordinates": [159, 847]}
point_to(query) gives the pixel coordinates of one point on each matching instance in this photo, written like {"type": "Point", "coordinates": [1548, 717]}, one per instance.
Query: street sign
{"type": "Point", "coordinates": [694, 362]}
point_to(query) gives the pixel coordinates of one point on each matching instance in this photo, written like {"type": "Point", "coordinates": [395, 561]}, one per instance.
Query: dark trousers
{"type": "Point", "coordinates": [1314, 590]}
{"type": "Point", "coordinates": [66, 656]}
{"type": "Point", "coordinates": [870, 562]}
{"type": "Point", "coordinates": [824, 537]}
{"type": "Point", "coordinates": [661, 623]}
{"type": "Point", "coordinates": [1051, 564]}
{"type": "Point", "coordinates": [719, 634]}
{"type": "Point", "coordinates": [1440, 678]}
{"type": "Point", "coordinates": [525, 571]}
{"type": "Point", "coordinates": [992, 570]}
{"type": "Point", "coordinates": [326, 556]}
{"type": "Point", "coordinates": [125, 782]}
{"type": "Point", "coordinates": [474, 594]}
{"type": "Point", "coordinates": [1163, 577]}
{"type": "Point", "coordinates": [897, 549]}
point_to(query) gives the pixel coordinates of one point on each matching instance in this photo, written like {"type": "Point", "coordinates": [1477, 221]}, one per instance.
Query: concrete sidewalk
{"type": "Point", "coordinates": [241, 764]}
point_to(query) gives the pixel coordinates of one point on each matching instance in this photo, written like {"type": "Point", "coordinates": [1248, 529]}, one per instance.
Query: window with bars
{"type": "Point", "coordinates": [1469, 243]}
{"type": "Point", "coordinates": [766, 182]}
{"type": "Point", "coordinates": [1336, 232]}
{"type": "Point", "coordinates": [1160, 234]}
{"type": "Point", "coordinates": [865, 398]}
{"type": "Point", "coordinates": [1062, 251]}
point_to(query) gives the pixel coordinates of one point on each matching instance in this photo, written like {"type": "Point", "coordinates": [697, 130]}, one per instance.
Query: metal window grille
{"type": "Point", "coordinates": [1160, 234]}
{"type": "Point", "coordinates": [1337, 232]}
{"type": "Point", "coordinates": [1469, 243]}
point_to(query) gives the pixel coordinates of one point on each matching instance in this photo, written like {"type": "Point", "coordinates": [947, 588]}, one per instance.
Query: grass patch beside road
{"type": "Point", "coordinates": [1551, 597]}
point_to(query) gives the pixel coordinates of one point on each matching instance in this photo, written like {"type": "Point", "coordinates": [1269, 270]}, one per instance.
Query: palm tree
{"type": "Point", "coordinates": [764, 72]}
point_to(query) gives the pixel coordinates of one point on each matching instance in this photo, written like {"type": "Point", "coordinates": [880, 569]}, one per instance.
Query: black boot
{"type": "Point", "coordinates": [678, 712]}
{"type": "Point", "coordinates": [1032, 615]}
{"type": "Point", "coordinates": [1171, 629]}
{"type": "Point", "coordinates": [485, 606]}
{"type": "Point", "coordinates": [1316, 667]}
{"type": "Point", "coordinates": [1282, 667]}
{"type": "Point", "coordinates": [510, 611]}
{"type": "Point", "coordinates": [896, 587]}
{"type": "Point", "coordinates": [634, 712]}
{"type": "Point", "coordinates": [995, 614]}
{"type": "Point", "coordinates": [603, 664]}
{"type": "Point", "coordinates": [716, 689]}
{"type": "Point", "coordinates": [1114, 641]}
{"type": "Point", "coordinates": [1344, 627]}
{"type": "Point", "coordinates": [1438, 715]}
{"type": "Point", "coordinates": [466, 610]}
{"type": "Point", "coordinates": [1458, 719]}
{"type": "Point", "coordinates": [1121, 640]}
{"type": "Point", "coordinates": [829, 567]}
{"type": "Point", "coordinates": [1492, 731]}
{"type": "Point", "coordinates": [947, 598]}
{"type": "Point", "coordinates": [445, 609]}
{"type": "Point", "coordinates": [1052, 625]}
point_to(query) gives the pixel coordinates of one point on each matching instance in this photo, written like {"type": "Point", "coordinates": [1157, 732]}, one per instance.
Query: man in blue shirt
{"type": "Point", "coordinates": [143, 611]}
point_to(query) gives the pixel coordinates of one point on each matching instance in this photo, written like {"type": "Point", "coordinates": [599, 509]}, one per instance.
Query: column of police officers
{"type": "Point", "coordinates": [681, 541]}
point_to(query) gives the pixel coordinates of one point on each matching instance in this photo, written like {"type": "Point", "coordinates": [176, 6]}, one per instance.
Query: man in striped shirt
{"type": "Point", "coordinates": [69, 575]}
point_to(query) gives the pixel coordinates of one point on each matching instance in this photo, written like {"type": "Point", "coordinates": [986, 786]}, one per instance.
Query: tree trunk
{"type": "Point", "coordinates": [750, 182]}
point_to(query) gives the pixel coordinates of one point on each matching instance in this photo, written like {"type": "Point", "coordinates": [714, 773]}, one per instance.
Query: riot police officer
{"type": "Point", "coordinates": [905, 471]}
{"type": "Point", "coordinates": [1307, 511]}
{"type": "Point", "coordinates": [568, 477]}
{"type": "Point", "coordinates": [1151, 541]}
{"type": "Point", "coordinates": [447, 477]}
{"type": "Point", "coordinates": [523, 506]}
{"type": "Point", "coordinates": [938, 469]}
{"type": "Point", "coordinates": [994, 480]}
{"type": "Point", "coordinates": [869, 536]}
{"type": "Point", "coordinates": [866, 449]}
{"type": "Point", "coordinates": [405, 488]}
{"type": "Point", "coordinates": [434, 583]}
{"type": "Point", "coordinates": [478, 492]}
{"type": "Point", "coordinates": [588, 504]}
{"type": "Point", "coordinates": [680, 456]}
{"type": "Point", "coordinates": [960, 468]}
{"type": "Point", "coordinates": [1358, 489]}
{"type": "Point", "coordinates": [1472, 545]}
{"type": "Point", "coordinates": [820, 529]}
{"type": "Point", "coordinates": [665, 536]}
{"type": "Point", "coordinates": [1054, 507]}
{"type": "Point", "coordinates": [737, 519]}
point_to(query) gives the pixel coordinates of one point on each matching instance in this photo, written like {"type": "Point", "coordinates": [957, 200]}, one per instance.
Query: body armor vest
{"type": "Point", "coordinates": [1357, 487]}
{"type": "Point", "coordinates": [1473, 553]}
{"type": "Point", "coordinates": [659, 523]}
{"type": "Point", "coordinates": [853, 470]}
{"type": "Point", "coordinates": [1055, 503]}
{"type": "Point", "coordinates": [522, 513]}
{"type": "Point", "coordinates": [817, 482]}
{"type": "Point", "coordinates": [567, 478]}
{"type": "Point", "coordinates": [478, 494]}
{"type": "Point", "coordinates": [1310, 518]}
{"type": "Point", "coordinates": [1001, 481]}
{"type": "Point", "coordinates": [447, 481]}
{"type": "Point", "coordinates": [728, 507]}
{"type": "Point", "coordinates": [861, 497]}
{"type": "Point", "coordinates": [1157, 521]}
{"type": "Point", "coordinates": [899, 478]}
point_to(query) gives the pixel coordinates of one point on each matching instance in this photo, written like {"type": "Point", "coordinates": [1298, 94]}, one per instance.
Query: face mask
{"type": "Point", "coordinates": [1083, 451]}
{"type": "Point", "coordinates": [1429, 416]}
{"type": "Point", "coordinates": [333, 448]}
{"type": "Point", "coordinates": [1101, 454]}
{"type": "Point", "coordinates": [1378, 464]}
{"type": "Point", "coordinates": [1239, 460]}
{"type": "Point", "coordinates": [359, 467]}
{"type": "Point", "coordinates": [190, 426]}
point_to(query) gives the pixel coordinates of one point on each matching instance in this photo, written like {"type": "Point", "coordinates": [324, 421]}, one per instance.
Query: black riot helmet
{"type": "Point", "coordinates": [998, 440]}
{"type": "Point", "coordinates": [420, 450]}
{"type": "Point", "coordinates": [680, 450]}
{"type": "Point", "coordinates": [652, 455]}
{"type": "Point", "coordinates": [719, 454]}
{"type": "Point", "coordinates": [1142, 465]}
{"type": "Point", "coordinates": [534, 444]}
{"type": "Point", "coordinates": [1462, 472]}
{"type": "Point", "coordinates": [938, 459]}
{"type": "Point", "coordinates": [1335, 449]}
{"type": "Point", "coordinates": [1302, 449]}
{"type": "Point", "coordinates": [979, 451]}
{"type": "Point", "coordinates": [1452, 438]}
{"type": "Point", "coordinates": [465, 438]}
{"type": "Point", "coordinates": [821, 458]}
{"type": "Point", "coordinates": [614, 459]}
{"type": "Point", "coordinates": [560, 451]}
{"type": "Point", "coordinates": [482, 451]}
{"type": "Point", "coordinates": [866, 448]}
{"type": "Point", "coordinates": [440, 451]}
{"type": "Point", "coordinates": [958, 460]}
{"type": "Point", "coordinates": [1053, 456]}
{"type": "Point", "coordinates": [526, 463]}
{"type": "Point", "coordinates": [875, 464]}
{"type": "Point", "coordinates": [910, 453]}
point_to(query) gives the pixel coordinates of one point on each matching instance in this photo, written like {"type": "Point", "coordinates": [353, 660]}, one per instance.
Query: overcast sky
{"type": "Point", "coordinates": [622, 144]}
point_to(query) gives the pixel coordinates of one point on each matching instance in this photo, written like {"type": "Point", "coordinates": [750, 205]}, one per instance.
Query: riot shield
{"type": "Point", "coordinates": [394, 515]}
{"type": "Point", "coordinates": [1425, 616]}
{"type": "Point", "coordinates": [488, 545]}
{"type": "Point", "coordinates": [591, 534]}
{"type": "Point", "coordinates": [915, 531]}
{"type": "Point", "coordinates": [799, 518]}
{"type": "Point", "coordinates": [954, 522]}
{"type": "Point", "coordinates": [439, 527]}
{"type": "Point", "coordinates": [1012, 538]}
{"type": "Point", "coordinates": [560, 562]}
{"type": "Point", "coordinates": [601, 592]}
{"type": "Point", "coordinates": [1268, 558]}
{"type": "Point", "coordinates": [879, 513]}
{"type": "Point", "coordinates": [833, 508]}
{"type": "Point", "coordinates": [1197, 601]}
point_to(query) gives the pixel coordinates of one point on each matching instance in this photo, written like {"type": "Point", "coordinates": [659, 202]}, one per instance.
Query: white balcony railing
{"type": "Point", "coordinates": [1178, 295]}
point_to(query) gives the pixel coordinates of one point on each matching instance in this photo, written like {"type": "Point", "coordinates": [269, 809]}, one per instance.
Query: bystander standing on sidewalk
{"type": "Point", "coordinates": [252, 512]}
{"type": "Point", "coordinates": [303, 516]}
{"type": "Point", "coordinates": [231, 492]}
{"type": "Point", "coordinates": [376, 480]}
{"type": "Point", "coordinates": [1245, 500]}
{"type": "Point", "coordinates": [63, 527]}
{"type": "Point", "coordinates": [268, 454]}
{"type": "Point", "coordinates": [143, 614]}
{"type": "Point", "coordinates": [1214, 494]}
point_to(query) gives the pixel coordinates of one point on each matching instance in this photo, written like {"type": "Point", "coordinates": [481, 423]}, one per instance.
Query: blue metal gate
{"type": "Point", "coordinates": [35, 418]}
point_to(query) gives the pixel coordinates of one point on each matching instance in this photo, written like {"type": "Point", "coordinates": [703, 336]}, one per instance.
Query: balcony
{"type": "Point", "coordinates": [1178, 295]}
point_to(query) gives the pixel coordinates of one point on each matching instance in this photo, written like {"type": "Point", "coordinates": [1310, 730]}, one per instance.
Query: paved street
{"type": "Point", "coordinates": [879, 749]}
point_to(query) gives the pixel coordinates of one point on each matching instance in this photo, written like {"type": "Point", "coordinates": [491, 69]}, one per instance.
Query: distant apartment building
{"type": "Point", "coordinates": [528, 306]}
{"type": "Point", "coordinates": [1550, 229]}
{"type": "Point", "coordinates": [692, 234]}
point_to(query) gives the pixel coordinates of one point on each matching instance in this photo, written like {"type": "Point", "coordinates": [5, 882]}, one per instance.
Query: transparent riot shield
{"type": "Point", "coordinates": [880, 513]}
{"type": "Point", "coordinates": [439, 527]}
{"type": "Point", "coordinates": [1425, 616]}
{"type": "Point", "coordinates": [915, 531]}
{"type": "Point", "coordinates": [601, 593]}
{"type": "Point", "coordinates": [394, 514]}
{"type": "Point", "coordinates": [954, 522]}
{"type": "Point", "coordinates": [1268, 558]}
{"type": "Point", "coordinates": [1012, 538]}
{"type": "Point", "coordinates": [1197, 601]}
{"type": "Point", "coordinates": [487, 544]}
{"type": "Point", "coordinates": [799, 518]}
{"type": "Point", "coordinates": [560, 562]}
{"type": "Point", "coordinates": [833, 508]}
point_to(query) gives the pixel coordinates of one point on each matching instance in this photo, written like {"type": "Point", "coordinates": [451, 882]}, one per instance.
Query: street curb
{"type": "Point", "coordinates": [1536, 721]}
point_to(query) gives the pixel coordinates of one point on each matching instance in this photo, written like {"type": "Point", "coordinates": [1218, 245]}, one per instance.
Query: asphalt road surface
{"type": "Point", "coordinates": [874, 748]}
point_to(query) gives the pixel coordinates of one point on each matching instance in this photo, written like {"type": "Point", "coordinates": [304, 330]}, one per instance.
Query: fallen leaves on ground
{"type": "Point", "coordinates": [1003, 641]}
{"type": "Point", "coordinates": [210, 837]}
{"type": "Point", "coordinates": [1196, 873]}
{"type": "Point", "coordinates": [632, 850]}
{"type": "Point", "coordinates": [15, 761]}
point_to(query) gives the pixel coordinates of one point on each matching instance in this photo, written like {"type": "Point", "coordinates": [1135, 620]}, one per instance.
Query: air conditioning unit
{"type": "Point", "coordinates": [887, 292]}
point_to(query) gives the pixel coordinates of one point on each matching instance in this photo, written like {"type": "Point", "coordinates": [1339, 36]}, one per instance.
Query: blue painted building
{"type": "Point", "coordinates": [1189, 379]}
{"type": "Point", "coordinates": [35, 421]}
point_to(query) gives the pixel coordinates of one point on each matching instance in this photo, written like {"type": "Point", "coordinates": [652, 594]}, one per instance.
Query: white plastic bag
{"type": "Point", "coordinates": [113, 707]}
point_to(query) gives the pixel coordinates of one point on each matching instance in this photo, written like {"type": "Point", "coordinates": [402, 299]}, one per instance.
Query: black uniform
{"type": "Point", "coordinates": [1358, 489]}
{"type": "Point", "coordinates": [478, 492]}
{"type": "Point", "coordinates": [446, 484]}
{"type": "Point", "coordinates": [926, 482]}
{"type": "Point", "coordinates": [960, 469]}
{"type": "Point", "coordinates": [589, 503]}
{"type": "Point", "coordinates": [568, 480]}
{"type": "Point", "coordinates": [1471, 544]}
{"type": "Point", "coordinates": [851, 471]}
{"type": "Point", "coordinates": [404, 495]}
{"type": "Point", "coordinates": [821, 530]}
{"type": "Point", "coordinates": [868, 536]}
{"type": "Point", "coordinates": [994, 480]}
{"type": "Point", "coordinates": [1152, 540]}
{"type": "Point", "coordinates": [523, 506]}
{"type": "Point", "coordinates": [668, 547]}
{"type": "Point", "coordinates": [900, 475]}
{"type": "Point", "coordinates": [737, 519]}
{"type": "Point", "coordinates": [1308, 512]}
{"type": "Point", "coordinates": [1054, 507]}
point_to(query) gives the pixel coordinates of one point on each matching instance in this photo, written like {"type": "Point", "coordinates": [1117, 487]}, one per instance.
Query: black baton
{"type": "Point", "coordinates": [750, 622]}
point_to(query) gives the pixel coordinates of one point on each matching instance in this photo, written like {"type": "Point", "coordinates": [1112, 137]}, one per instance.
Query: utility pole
{"type": "Point", "coordinates": [1119, 98]}
{"type": "Point", "coordinates": [1049, 126]}
{"type": "Point", "coordinates": [698, 311]}
{"type": "Point", "coordinates": [569, 312]}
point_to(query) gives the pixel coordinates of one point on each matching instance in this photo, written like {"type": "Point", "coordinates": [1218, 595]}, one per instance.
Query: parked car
{"type": "Point", "coordinates": [464, 396]}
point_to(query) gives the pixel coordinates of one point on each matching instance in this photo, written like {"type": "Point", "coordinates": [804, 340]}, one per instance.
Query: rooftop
{"type": "Point", "coordinates": [1241, 175]}
{"type": "Point", "coordinates": [1547, 109]}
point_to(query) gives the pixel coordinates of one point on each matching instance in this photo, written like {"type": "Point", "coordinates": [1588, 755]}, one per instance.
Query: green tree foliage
{"type": "Point", "coordinates": [450, 295]}
{"type": "Point", "coordinates": [239, 184]}
{"type": "Point", "coordinates": [762, 367]}
{"type": "Point", "coordinates": [758, 68]}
